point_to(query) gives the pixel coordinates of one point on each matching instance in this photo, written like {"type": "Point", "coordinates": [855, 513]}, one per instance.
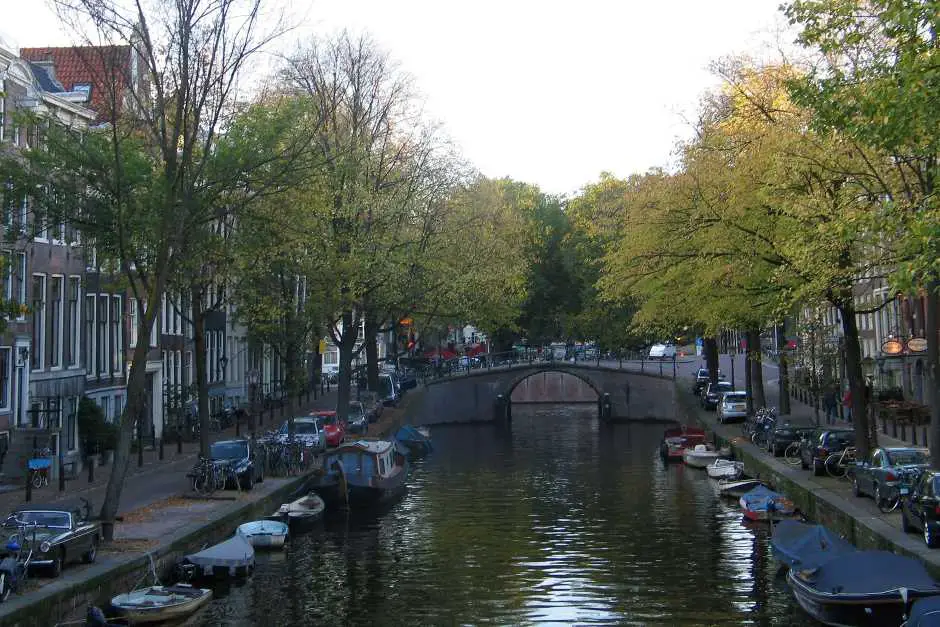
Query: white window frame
{"type": "Point", "coordinates": [105, 368]}
{"type": "Point", "coordinates": [8, 384]}
{"type": "Point", "coordinates": [22, 269]}
{"type": "Point", "coordinates": [75, 337]}
{"type": "Point", "coordinates": [117, 326]}
{"type": "Point", "coordinates": [42, 324]}
{"type": "Point", "coordinates": [153, 328]}
{"type": "Point", "coordinates": [91, 347]}
{"type": "Point", "coordinates": [134, 322]}
{"type": "Point", "coordinates": [61, 330]}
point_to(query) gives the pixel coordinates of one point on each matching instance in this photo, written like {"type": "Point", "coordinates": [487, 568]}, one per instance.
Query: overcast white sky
{"type": "Point", "coordinates": [547, 92]}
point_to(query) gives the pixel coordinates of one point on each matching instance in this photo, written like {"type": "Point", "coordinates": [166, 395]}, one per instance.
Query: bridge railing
{"type": "Point", "coordinates": [628, 361]}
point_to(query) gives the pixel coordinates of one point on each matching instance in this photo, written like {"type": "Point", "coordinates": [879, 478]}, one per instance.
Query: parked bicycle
{"type": "Point", "coordinates": [888, 498]}
{"type": "Point", "coordinates": [837, 464]}
{"type": "Point", "coordinates": [207, 476]}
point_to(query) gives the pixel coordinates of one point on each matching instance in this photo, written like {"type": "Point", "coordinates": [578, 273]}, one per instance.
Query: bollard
{"type": "Point", "coordinates": [161, 448]}
{"type": "Point", "coordinates": [660, 367]}
{"type": "Point", "coordinates": [91, 469]}
{"type": "Point", "coordinates": [140, 447]}
{"type": "Point", "coordinates": [29, 486]}
{"type": "Point", "coordinates": [61, 474]}
{"type": "Point", "coordinates": [179, 441]}
{"type": "Point", "coordinates": [238, 427]}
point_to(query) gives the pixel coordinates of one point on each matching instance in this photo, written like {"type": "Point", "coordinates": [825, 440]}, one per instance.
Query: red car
{"type": "Point", "coordinates": [333, 427]}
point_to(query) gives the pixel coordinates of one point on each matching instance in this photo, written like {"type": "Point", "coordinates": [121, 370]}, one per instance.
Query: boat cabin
{"type": "Point", "coordinates": [369, 458]}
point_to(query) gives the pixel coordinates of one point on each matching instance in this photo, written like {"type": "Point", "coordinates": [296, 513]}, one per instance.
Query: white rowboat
{"type": "Point", "coordinates": [700, 456]}
{"type": "Point", "coordinates": [264, 534]}
{"type": "Point", "coordinates": [160, 603]}
{"type": "Point", "coordinates": [725, 469]}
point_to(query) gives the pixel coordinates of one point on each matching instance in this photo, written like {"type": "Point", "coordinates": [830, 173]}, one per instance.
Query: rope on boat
{"type": "Point", "coordinates": [152, 570]}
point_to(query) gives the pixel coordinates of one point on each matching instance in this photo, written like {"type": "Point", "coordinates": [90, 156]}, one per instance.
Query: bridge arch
{"type": "Point", "coordinates": [512, 383]}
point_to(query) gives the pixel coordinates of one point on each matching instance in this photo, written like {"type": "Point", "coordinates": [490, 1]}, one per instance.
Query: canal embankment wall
{"type": "Point", "coordinates": [830, 505]}
{"type": "Point", "coordinates": [68, 598]}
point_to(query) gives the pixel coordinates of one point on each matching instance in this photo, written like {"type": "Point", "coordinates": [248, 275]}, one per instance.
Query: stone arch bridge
{"type": "Point", "coordinates": [484, 394]}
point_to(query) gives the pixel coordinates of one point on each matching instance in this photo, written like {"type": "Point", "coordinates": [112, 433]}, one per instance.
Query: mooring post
{"type": "Point", "coordinates": [608, 407]}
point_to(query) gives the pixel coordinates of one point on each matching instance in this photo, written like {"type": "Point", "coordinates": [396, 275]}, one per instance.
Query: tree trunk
{"type": "Point", "coordinates": [372, 351]}
{"type": "Point", "coordinates": [202, 375]}
{"type": "Point", "coordinates": [784, 384]}
{"type": "Point", "coordinates": [748, 383]}
{"type": "Point", "coordinates": [756, 367]}
{"type": "Point", "coordinates": [853, 371]}
{"type": "Point", "coordinates": [932, 327]}
{"type": "Point", "coordinates": [347, 343]}
{"type": "Point", "coordinates": [136, 396]}
{"type": "Point", "coordinates": [710, 348]}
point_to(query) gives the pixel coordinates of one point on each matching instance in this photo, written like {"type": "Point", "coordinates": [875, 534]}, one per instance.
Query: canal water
{"type": "Point", "coordinates": [556, 520]}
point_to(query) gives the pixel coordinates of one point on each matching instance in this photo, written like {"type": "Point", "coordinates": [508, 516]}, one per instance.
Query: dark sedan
{"type": "Point", "coordinates": [883, 471]}
{"type": "Point", "coordinates": [702, 378]}
{"type": "Point", "coordinates": [713, 392]}
{"type": "Point", "coordinates": [238, 455]}
{"type": "Point", "coordinates": [55, 536]}
{"type": "Point", "coordinates": [783, 435]}
{"type": "Point", "coordinates": [822, 444]}
{"type": "Point", "coordinates": [920, 510]}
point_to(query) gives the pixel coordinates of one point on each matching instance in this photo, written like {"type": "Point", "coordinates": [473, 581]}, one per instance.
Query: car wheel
{"type": "Point", "coordinates": [905, 524]}
{"type": "Point", "coordinates": [817, 471]}
{"type": "Point", "coordinates": [803, 463]}
{"type": "Point", "coordinates": [855, 490]}
{"type": "Point", "coordinates": [91, 554]}
{"type": "Point", "coordinates": [5, 588]}
{"type": "Point", "coordinates": [248, 482]}
{"type": "Point", "coordinates": [930, 539]}
{"type": "Point", "coordinates": [58, 563]}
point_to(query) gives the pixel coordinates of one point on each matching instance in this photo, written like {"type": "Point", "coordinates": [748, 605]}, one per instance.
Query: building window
{"type": "Point", "coordinates": [153, 328]}
{"type": "Point", "coordinates": [90, 344]}
{"type": "Point", "coordinates": [118, 405]}
{"type": "Point", "coordinates": [133, 321]}
{"type": "Point", "coordinates": [105, 403]}
{"type": "Point", "coordinates": [6, 365]}
{"type": "Point", "coordinates": [21, 283]}
{"type": "Point", "coordinates": [178, 371]}
{"type": "Point", "coordinates": [117, 335]}
{"type": "Point", "coordinates": [56, 296]}
{"type": "Point", "coordinates": [71, 426]}
{"type": "Point", "coordinates": [189, 368]}
{"type": "Point", "coordinates": [104, 361]}
{"type": "Point", "coordinates": [37, 354]}
{"type": "Point", "coordinates": [72, 317]}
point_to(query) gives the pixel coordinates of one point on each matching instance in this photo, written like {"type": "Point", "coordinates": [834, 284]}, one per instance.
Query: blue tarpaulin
{"type": "Point", "coordinates": [806, 547]}
{"type": "Point", "coordinates": [925, 613]}
{"type": "Point", "coordinates": [872, 572]}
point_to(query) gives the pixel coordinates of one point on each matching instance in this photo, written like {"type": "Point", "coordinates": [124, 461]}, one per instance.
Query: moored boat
{"type": "Point", "coordinates": [805, 546]}
{"type": "Point", "coordinates": [736, 488]}
{"type": "Point", "coordinates": [701, 455]}
{"type": "Point", "coordinates": [156, 604]}
{"type": "Point", "coordinates": [234, 557]}
{"type": "Point", "coordinates": [416, 439]}
{"type": "Point", "coordinates": [265, 534]}
{"type": "Point", "coordinates": [301, 513]}
{"type": "Point", "coordinates": [924, 613]}
{"type": "Point", "coordinates": [862, 588]}
{"type": "Point", "coordinates": [725, 469]}
{"type": "Point", "coordinates": [677, 439]}
{"type": "Point", "coordinates": [362, 473]}
{"type": "Point", "coordinates": [762, 503]}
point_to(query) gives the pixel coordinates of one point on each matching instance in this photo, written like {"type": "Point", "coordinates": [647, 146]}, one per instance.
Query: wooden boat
{"type": "Point", "coordinates": [701, 455]}
{"type": "Point", "coordinates": [805, 546]}
{"type": "Point", "coordinates": [762, 503]}
{"type": "Point", "coordinates": [725, 469]}
{"type": "Point", "coordinates": [160, 603]}
{"type": "Point", "coordinates": [301, 513]}
{"type": "Point", "coordinates": [862, 588]}
{"type": "Point", "coordinates": [265, 534]}
{"type": "Point", "coordinates": [736, 488]}
{"type": "Point", "coordinates": [924, 613]}
{"type": "Point", "coordinates": [234, 557]}
{"type": "Point", "coordinates": [417, 440]}
{"type": "Point", "coordinates": [677, 439]}
{"type": "Point", "coordinates": [362, 473]}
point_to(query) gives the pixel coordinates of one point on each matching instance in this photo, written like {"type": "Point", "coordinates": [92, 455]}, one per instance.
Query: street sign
{"type": "Point", "coordinates": [322, 347]}
{"type": "Point", "coordinates": [892, 347]}
{"type": "Point", "coordinates": [917, 344]}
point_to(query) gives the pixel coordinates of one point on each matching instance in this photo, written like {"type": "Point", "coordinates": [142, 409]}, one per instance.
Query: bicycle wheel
{"type": "Point", "coordinates": [201, 483]}
{"type": "Point", "coordinates": [834, 466]}
{"type": "Point", "coordinates": [759, 439]}
{"type": "Point", "coordinates": [888, 500]}
{"type": "Point", "coordinates": [37, 480]}
{"type": "Point", "coordinates": [219, 479]}
{"type": "Point", "coordinates": [792, 454]}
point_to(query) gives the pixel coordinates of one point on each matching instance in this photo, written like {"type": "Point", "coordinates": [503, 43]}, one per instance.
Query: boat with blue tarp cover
{"type": "Point", "coordinates": [362, 473]}
{"type": "Point", "coordinates": [234, 557]}
{"type": "Point", "coordinates": [804, 546]}
{"type": "Point", "coordinates": [762, 503]}
{"type": "Point", "coordinates": [924, 613]}
{"type": "Point", "coordinates": [865, 588]}
{"type": "Point", "coordinates": [416, 439]}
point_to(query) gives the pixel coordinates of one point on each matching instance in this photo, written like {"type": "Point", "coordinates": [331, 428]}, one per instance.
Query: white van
{"type": "Point", "coordinates": [663, 351]}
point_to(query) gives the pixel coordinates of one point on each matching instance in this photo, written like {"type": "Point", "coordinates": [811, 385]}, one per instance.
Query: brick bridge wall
{"type": "Point", "coordinates": [473, 397]}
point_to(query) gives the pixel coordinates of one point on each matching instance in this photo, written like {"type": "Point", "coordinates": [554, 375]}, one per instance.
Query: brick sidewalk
{"type": "Point", "coordinates": [174, 462]}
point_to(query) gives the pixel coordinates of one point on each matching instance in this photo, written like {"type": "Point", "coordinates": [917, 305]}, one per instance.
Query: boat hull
{"type": "Point", "coordinates": [265, 535]}
{"type": "Point", "coordinates": [138, 615]}
{"type": "Point", "coordinates": [700, 460]}
{"type": "Point", "coordinates": [873, 610]}
{"type": "Point", "coordinates": [737, 489]}
{"type": "Point", "coordinates": [359, 496]}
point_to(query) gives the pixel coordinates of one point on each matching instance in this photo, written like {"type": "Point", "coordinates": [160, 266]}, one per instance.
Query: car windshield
{"type": "Point", "coordinates": [301, 427]}
{"type": "Point", "coordinates": [841, 439]}
{"type": "Point", "coordinates": [355, 410]}
{"type": "Point", "coordinates": [43, 519]}
{"type": "Point", "coordinates": [327, 419]}
{"type": "Point", "coordinates": [902, 458]}
{"type": "Point", "coordinates": [229, 450]}
{"type": "Point", "coordinates": [736, 397]}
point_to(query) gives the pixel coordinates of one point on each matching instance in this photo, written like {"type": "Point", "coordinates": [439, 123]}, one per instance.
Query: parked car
{"type": "Point", "coordinates": [785, 434]}
{"type": "Point", "coordinates": [307, 430]}
{"type": "Point", "coordinates": [372, 404]}
{"type": "Point", "coordinates": [388, 389]}
{"type": "Point", "coordinates": [662, 351]}
{"type": "Point", "coordinates": [920, 510]}
{"type": "Point", "coordinates": [733, 406]}
{"type": "Point", "coordinates": [822, 444]}
{"type": "Point", "coordinates": [701, 379]}
{"type": "Point", "coordinates": [714, 392]}
{"type": "Point", "coordinates": [883, 468]}
{"type": "Point", "coordinates": [333, 427]}
{"type": "Point", "coordinates": [56, 535]}
{"type": "Point", "coordinates": [240, 455]}
{"type": "Point", "coordinates": [356, 419]}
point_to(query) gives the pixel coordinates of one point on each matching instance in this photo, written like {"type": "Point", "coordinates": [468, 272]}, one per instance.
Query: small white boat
{"type": "Point", "coordinates": [701, 455]}
{"type": "Point", "coordinates": [160, 603]}
{"type": "Point", "coordinates": [736, 488]}
{"type": "Point", "coordinates": [304, 511]}
{"type": "Point", "coordinates": [265, 534]}
{"type": "Point", "coordinates": [725, 469]}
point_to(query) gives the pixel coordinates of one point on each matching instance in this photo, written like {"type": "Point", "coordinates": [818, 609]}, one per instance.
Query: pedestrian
{"type": "Point", "coordinates": [847, 403]}
{"type": "Point", "coordinates": [829, 404]}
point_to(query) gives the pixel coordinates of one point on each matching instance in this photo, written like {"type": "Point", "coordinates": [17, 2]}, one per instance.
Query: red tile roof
{"type": "Point", "coordinates": [98, 66]}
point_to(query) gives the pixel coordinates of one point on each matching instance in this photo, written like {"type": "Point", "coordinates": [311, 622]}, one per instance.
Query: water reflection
{"type": "Point", "coordinates": [558, 519]}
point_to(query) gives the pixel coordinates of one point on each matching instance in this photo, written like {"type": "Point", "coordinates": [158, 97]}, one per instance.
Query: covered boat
{"type": "Point", "coordinates": [924, 613]}
{"type": "Point", "coordinates": [736, 488]}
{"type": "Point", "coordinates": [677, 439]}
{"type": "Point", "coordinates": [762, 503]}
{"type": "Point", "coordinates": [416, 439]}
{"type": "Point", "coordinates": [234, 557]}
{"type": "Point", "coordinates": [701, 455]}
{"type": "Point", "coordinates": [725, 469]}
{"type": "Point", "coordinates": [862, 588]}
{"type": "Point", "coordinates": [264, 534]}
{"type": "Point", "coordinates": [156, 604]}
{"type": "Point", "coordinates": [362, 473]}
{"type": "Point", "coordinates": [301, 513]}
{"type": "Point", "coordinates": [806, 547]}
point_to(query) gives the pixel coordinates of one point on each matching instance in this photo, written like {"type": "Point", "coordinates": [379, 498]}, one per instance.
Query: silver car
{"type": "Point", "coordinates": [307, 430]}
{"type": "Point", "coordinates": [733, 406]}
